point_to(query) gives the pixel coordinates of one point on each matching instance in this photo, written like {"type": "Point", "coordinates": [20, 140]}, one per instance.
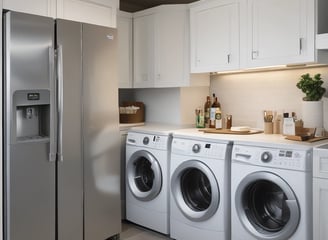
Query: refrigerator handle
{"type": "Point", "coordinates": [60, 101]}
{"type": "Point", "coordinates": [53, 107]}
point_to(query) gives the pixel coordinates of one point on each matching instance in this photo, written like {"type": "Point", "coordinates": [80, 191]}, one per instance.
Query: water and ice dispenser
{"type": "Point", "coordinates": [32, 115]}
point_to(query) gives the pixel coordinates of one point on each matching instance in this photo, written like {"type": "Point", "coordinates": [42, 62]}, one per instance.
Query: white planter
{"type": "Point", "coordinates": [312, 115]}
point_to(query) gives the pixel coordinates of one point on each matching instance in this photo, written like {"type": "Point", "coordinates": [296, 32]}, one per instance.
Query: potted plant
{"type": "Point", "coordinates": [311, 87]}
{"type": "Point", "coordinates": [312, 106]}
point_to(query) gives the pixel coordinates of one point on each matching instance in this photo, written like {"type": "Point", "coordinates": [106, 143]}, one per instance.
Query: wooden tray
{"type": "Point", "coordinates": [305, 138]}
{"type": "Point", "coordinates": [228, 131]}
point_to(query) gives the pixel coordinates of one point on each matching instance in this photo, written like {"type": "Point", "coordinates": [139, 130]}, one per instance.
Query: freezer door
{"type": "Point", "coordinates": [29, 174]}
{"type": "Point", "coordinates": [101, 139]}
{"type": "Point", "coordinates": [70, 164]}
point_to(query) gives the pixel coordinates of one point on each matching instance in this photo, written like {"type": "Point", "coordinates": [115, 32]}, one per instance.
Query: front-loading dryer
{"type": "Point", "coordinates": [271, 192]}
{"type": "Point", "coordinates": [200, 188]}
{"type": "Point", "coordinates": [147, 177]}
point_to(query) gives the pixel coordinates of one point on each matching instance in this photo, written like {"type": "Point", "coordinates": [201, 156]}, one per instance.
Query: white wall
{"type": "Point", "coordinates": [168, 105]}
{"type": "Point", "coordinates": [246, 95]}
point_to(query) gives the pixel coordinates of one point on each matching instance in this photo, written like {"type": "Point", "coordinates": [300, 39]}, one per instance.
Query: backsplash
{"type": "Point", "coordinates": [168, 105]}
{"type": "Point", "coordinates": [246, 95]}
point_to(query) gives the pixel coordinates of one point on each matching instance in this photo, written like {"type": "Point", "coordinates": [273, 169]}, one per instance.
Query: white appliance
{"type": "Point", "coordinates": [200, 188]}
{"type": "Point", "coordinates": [271, 192]}
{"type": "Point", "coordinates": [320, 192]}
{"type": "Point", "coordinates": [147, 177]}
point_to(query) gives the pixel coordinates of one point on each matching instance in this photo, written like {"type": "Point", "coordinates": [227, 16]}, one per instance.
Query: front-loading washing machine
{"type": "Point", "coordinates": [271, 192]}
{"type": "Point", "coordinates": [200, 188]}
{"type": "Point", "coordinates": [147, 178]}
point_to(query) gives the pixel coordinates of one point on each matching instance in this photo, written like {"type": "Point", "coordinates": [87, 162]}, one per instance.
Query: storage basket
{"type": "Point", "coordinates": [132, 112]}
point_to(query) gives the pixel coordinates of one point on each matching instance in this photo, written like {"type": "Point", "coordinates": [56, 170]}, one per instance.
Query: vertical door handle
{"type": "Point", "coordinates": [53, 107]}
{"type": "Point", "coordinates": [60, 101]}
{"type": "Point", "coordinates": [229, 58]}
{"type": "Point", "coordinates": [301, 40]}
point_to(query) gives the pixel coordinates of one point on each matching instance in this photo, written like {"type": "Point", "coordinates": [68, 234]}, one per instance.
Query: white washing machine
{"type": "Point", "coordinates": [200, 189]}
{"type": "Point", "coordinates": [271, 192]}
{"type": "Point", "coordinates": [147, 179]}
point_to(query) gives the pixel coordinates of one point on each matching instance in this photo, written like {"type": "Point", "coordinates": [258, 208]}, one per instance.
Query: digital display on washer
{"type": "Point", "coordinates": [208, 145]}
{"type": "Point", "coordinates": [156, 138]}
{"type": "Point", "coordinates": [284, 153]}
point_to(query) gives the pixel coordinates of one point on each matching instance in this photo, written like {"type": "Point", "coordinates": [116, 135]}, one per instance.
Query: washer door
{"type": "Point", "coordinates": [144, 175]}
{"type": "Point", "coordinates": [195, 190]}
{"type": "Point", "coordinates": [267, 206]}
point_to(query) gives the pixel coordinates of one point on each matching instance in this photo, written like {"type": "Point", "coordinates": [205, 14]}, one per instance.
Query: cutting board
{"type": "Point", "coordinates": [305, 139]}
{"type": "Point", "coordinates": [228, 131]}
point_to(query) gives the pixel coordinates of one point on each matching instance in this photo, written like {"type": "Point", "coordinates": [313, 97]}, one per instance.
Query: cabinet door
{"type": "Point", "coordinates": [320, 209]}
{"type": "Point", "coordinates": [143, 44]}
{"type": "Point", "coordinates": [280, 32]}
{"type": "Point", "coordinates": [171, 46]}
{"type": "Point", "coordinates": [124, 34]}
{"type": "Point", "coordinates": [38, 7]}
{"type": "Point", "coordinates": [99, 12]}
{"type": "Point", "coordinates": [214, 36]}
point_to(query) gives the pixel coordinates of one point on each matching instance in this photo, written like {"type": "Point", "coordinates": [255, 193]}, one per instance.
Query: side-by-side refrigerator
{"type": "Point", "coordinates": [61, 141]}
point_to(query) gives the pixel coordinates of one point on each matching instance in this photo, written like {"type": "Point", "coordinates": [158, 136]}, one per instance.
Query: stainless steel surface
{"type": "Point", "coordinates": [53, 106]}
{"type": "Point", "coordinates": [101, 144]}
{"type": "Point", "coordinates": [29, 176]}
{"type": "Point", "coordinates": [75, 195]}
{"type": "Point", "coordinates": [60, 94]}
{"type": "Point", "coordinates": [70, 170]}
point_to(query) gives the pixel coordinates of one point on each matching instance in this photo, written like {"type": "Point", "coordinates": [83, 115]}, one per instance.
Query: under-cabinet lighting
{"type": "Point", "coordinates": [271, 68]}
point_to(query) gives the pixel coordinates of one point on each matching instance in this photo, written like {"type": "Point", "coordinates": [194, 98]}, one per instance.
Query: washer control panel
{"type": "Point", "coordinates": [161, 142]}
{"type": "Point", "coordinates": [191, 147]}
{"type": "Point", "coordinates": [272, 157]}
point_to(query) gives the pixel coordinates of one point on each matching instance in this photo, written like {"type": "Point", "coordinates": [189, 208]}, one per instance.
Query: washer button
{"type": "Point", "coordinates": [196, 148]}
{"type": "Point", "coordinates": [145, 141]}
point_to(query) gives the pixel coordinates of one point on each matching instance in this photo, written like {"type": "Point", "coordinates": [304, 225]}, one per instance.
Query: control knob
{"type": "Point", "coordinates": [196, 148]}
{"type": "Point", "coordinates": [266, 157]}
{"type": "Point", "coordinates": [145, 141]}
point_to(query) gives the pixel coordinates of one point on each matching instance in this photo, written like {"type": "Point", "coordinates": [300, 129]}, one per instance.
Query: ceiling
{"type": "Point", "coordinates": [137, 5]}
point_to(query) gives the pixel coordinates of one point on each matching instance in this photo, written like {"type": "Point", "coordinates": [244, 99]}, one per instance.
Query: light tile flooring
{"type": "Point", "coordinates": [131, 231]}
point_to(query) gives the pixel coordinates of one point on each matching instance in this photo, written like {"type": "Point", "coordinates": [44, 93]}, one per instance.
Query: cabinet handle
{"type": "Point", "coordinates": [255, 54]}
{"type": "Point", "coordinates": [229, 57]}
{"type": "Point", "coordinates": [301, 45]}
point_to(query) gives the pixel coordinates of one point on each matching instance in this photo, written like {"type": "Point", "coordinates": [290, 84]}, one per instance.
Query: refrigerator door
{"type": "Point", "coordinates": [29, 174]}
{"type": "Point", "coordinates": [101, 139]}
{"type": "Point", "coordinates": [70, 164]}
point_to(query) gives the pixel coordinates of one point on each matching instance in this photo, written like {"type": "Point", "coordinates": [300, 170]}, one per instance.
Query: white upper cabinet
{"type": "Point", "coordinates": [244, 34]}
{"type": "Point", "coordinates": [280, 32]}
{"type": "Point", "coordinates": [99, 12]}
{"type": "Point", "coordinates": [214, 30]}
{"type": "Point", "coordinates": [161, 48]}
{"type": "Point", "coordinates": [38, 7]}
{"type": "Point", "coordinates": [143, 49]}
{"type": "Point", "coordinates": [124, 34]}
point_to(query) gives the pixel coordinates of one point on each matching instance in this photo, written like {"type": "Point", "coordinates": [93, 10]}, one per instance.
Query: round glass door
{"type": "Point", "coordinates": [195, 190]}
{"type": "Point", "coordinates": [144, 175]}
{"type": "Point", "coordinates": [267, 206]}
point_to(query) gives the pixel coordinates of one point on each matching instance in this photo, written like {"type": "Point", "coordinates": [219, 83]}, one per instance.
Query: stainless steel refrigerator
{"type": "Point", "coordinates": [61, 141]}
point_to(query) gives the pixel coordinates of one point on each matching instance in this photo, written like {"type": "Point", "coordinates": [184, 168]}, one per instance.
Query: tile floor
{"type": "Point", "coordinates": [131, 231]}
